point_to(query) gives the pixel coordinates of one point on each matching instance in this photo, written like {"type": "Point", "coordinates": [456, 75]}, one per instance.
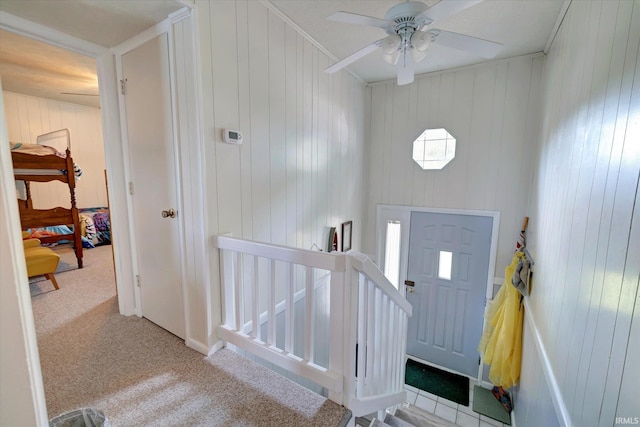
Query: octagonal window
{"type": "Point", "coordinates": [434, 148]}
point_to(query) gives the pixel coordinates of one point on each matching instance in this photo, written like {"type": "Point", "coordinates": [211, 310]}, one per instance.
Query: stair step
{"type": "Point", "coordinates": [394, 421]}
{"type": "Point", "coordinates": [377, 423]}
{"type": "Point", "coordinates": [420, 418]}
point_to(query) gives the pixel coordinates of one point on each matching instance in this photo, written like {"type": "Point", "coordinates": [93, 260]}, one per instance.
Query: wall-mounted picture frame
{"type": "Point", "coordinates": [346, 235]}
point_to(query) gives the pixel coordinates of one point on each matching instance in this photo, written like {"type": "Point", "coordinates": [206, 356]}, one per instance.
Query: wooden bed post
{"type": "Point", "coordinates": [77, 238]}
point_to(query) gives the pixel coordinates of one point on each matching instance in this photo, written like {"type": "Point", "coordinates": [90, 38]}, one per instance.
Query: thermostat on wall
{"type": "Point", "coordinates": [232, 136]}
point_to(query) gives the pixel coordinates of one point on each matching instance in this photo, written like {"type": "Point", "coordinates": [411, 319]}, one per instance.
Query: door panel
{"type": "Point", "coordinates": [150, 136]}
{"type": "Point", "coordinates": [449, 263]}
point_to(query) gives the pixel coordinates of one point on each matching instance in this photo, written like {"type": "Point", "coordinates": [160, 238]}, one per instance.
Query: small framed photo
{"type": "Point", "coordinates": [346, 235]}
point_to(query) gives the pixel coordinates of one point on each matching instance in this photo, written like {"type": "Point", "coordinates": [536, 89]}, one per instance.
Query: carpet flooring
{"type": "Point", "coordinates": [141, 375]}
{"type": "Point", "coordinates": [445, 384]}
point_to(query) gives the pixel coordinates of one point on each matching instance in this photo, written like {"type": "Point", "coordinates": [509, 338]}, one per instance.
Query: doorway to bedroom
{"type": "Point", "coordinates": [51, 99]}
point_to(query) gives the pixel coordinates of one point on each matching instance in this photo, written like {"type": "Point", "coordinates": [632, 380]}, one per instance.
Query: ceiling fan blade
{"type": "Point", "coordinates": [354, 18]}
{"type": "Point", "coordinates": [80, 94]}
{"type": "Point", "coordinates": [445, 8]}
{"type": "Point", "coordinates": [353, 57]}
{"type": "Point", "coordinates": [406, 68]}
{"type": "Point", "coordinates": [481, 47]}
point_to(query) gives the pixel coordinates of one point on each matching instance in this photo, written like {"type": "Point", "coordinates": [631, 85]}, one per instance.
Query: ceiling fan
{"type": "Point", "coordinates": [408, 25]}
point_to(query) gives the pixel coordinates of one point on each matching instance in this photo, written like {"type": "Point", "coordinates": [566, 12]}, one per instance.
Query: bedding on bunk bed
{"type": "Point", "coordinates": [42, 150]}
{"type": "Point", "coordinates": [95, 228]}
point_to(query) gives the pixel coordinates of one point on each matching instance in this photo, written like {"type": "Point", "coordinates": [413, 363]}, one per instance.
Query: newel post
{"type": "Point", "coordinates": [337, 325]}
{"type": "Point", "coordinates": [227, 273]}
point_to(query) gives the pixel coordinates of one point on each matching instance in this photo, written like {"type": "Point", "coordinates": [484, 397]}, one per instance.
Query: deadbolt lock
{"type": "Point", "coordinates": [411, 285]}
{"type": "Point", "coordinates": [169, 214]}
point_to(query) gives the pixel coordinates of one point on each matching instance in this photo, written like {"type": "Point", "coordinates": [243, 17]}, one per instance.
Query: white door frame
{"type": "Point", "coordinates": [161, 28]}
{"type": "Point", "coordinates": [189, 167]}
{"type": "Point", "coordinates": [402, 214]}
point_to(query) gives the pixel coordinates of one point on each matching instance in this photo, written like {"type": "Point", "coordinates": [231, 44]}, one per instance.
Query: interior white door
{"type": "Point", "coordinates": [449, 264]}
{"type": "Point", "coordinates": [150, 136]}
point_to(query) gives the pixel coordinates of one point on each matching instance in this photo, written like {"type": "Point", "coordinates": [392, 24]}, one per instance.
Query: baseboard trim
{"type": "Point", "coordinates": [215, 347]}
{"type": "Point", "coordinates": [197, 346]}
{"type": "Point", "coordinates": [554, 389]}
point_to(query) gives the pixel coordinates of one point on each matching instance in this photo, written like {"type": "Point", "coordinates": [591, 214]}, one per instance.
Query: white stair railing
{"type": "Point", "coordinates": [332, 318]}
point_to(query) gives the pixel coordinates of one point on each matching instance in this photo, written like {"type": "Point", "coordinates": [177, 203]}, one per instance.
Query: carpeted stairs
{"type": "Point", "coordinates": [408, 416]}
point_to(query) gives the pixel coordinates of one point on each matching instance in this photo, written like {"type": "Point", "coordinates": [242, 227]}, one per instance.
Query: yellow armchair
{"type": "Point", "coordinates": [40, 261]}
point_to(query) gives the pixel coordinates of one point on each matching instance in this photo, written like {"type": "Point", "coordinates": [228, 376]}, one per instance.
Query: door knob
{"type": "Point", "coordinates": [169, 214]}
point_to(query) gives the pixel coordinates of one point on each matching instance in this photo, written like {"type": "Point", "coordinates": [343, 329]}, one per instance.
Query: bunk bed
{"type": "Point", "coordinates": [42, 163]}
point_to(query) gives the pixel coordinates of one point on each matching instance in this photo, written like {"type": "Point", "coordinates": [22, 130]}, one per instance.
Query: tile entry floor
{"type": "Point", "coordinates": [451, 411]}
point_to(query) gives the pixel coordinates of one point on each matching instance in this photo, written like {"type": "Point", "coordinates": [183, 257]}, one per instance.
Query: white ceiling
{"type": "Point", "coordinates": [522, 26]}
{"type": "Point", "coordinates": [38, 69]}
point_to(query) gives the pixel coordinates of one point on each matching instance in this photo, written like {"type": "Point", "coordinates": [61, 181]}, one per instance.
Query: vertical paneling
{"type": "Point", "coordinates": [299, 168]}
{"type": "Point", "coordinates": [492, 111]}
{"type": "Point", "coordinates": [28, 117]}
{"type": "Point", "coordinates": [582, 200]}
{"type": "Point", "coordinates": [277, 128]}
{"type": "Point", "coordinates": [225, 65]}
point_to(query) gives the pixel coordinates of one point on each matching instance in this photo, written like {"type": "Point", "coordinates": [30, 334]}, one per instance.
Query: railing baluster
{"type": "Point", "coordinates": [371, 338]}
{"type": "Point", "coordinates": [255, 312]}
{"type": "Point", "coordinates": [385, 347]}
{"type": "Point", "coordinates": [271, 335]}
{"type": "Point", "coordinates": [396, 349]}
{"type": "Point", "coordinates": [363, 310]}
{"type": "Point", "coordinates": [289, 315]}
{"type": "Point", "coordinates": [227, 274]}
{"type": "Point", "coordinates": [309, 315]}
{"type": "Point", "coordinates": [239, 301]}
{"type": "Point", "coordinates": [338, 326]}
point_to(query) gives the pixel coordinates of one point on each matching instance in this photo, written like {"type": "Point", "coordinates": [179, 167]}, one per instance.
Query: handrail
{"type": "Point", "coordinates": [353, 320]}
{"type": "Point", "coordinates": [364, 264]}
{"type": "Point", "coordinates": [317, 259]}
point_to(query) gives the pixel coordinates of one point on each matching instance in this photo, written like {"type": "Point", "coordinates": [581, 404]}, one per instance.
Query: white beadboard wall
{"type": "Point", "coordinates": [28, 117]}
{"type": "Point", "coordinates": [491, 109]}
{"type": "Point", "coordinates": [585, 187]}
{"type": "Point", "coordinates": [299, 168]}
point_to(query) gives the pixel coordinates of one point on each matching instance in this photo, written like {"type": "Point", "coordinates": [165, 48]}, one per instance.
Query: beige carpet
{"type": "Point", "coordinates": [140, 375]}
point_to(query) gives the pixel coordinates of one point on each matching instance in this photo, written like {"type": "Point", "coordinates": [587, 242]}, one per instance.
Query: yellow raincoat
{"type": "Point", "coordinates": [501, 343]}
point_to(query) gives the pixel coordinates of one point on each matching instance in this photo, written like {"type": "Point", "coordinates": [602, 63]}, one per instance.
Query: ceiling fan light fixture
{"type": "Point", "coordinates": [390, 44]}
{"type": "Point", "coordinates": [420, 40]}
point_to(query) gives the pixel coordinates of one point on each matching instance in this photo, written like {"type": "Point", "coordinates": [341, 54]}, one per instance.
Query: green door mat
{"type": "Point", "coordinates": [486, 404]}
{"type": "Point", "coordinates": [444, 384]}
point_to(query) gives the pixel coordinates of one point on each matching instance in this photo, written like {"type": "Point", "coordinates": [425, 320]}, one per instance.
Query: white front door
{"type": "Point", "coordinates": [449, 264]}
{"type": "Point", "coordinates": [153, 169]}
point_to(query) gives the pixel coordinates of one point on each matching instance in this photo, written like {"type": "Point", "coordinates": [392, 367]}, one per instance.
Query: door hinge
{"type": "Point", "coordinates": [123, 86]}
{"type": "Point", "coordinates": [138, 280]}
{"type": "Point", "coordinates": [131, 188]}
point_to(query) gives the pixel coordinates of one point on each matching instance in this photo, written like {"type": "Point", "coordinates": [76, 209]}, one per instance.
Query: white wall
{"type": "Point", "coordinates": [585, 283]}
{"type": "Point", "coordinates": [492, 110]}
{"type": "Point", "coordinates": [28, 117]}
{"type": "Point", "coordinates": [299, 168]}
{"type": "Point", "coordinates": [21, 391]}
